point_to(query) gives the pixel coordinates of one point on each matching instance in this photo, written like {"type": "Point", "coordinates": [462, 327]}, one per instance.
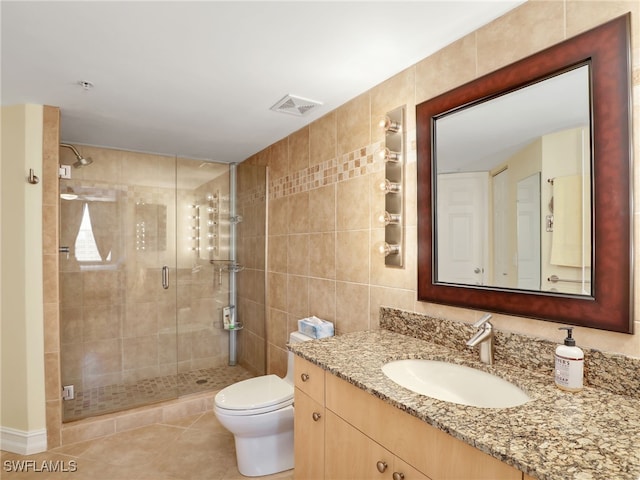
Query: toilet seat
{"type": "Point", "coordinates": [254, 396]}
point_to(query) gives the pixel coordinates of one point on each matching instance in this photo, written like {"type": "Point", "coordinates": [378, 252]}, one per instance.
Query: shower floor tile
{"type": "Point", "coordinates": [113, 398]}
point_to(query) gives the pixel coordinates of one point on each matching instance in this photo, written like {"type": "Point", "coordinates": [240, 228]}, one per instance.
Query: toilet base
{"type": "Point", "coordinates": [258, 456]}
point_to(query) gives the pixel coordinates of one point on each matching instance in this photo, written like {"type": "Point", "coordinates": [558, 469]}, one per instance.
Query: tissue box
{"type": "Point", "coordinates": [315, 327]}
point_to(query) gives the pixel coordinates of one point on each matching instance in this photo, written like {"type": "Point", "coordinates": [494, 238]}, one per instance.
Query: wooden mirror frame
{"type": "Point", "coordinates": [609, 306]}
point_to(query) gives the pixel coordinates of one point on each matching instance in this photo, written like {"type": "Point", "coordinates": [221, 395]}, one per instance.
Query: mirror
{"type": "Point", "coordinates": [524, 186]}
{"type": "Point", "coordinates": [499, 222]}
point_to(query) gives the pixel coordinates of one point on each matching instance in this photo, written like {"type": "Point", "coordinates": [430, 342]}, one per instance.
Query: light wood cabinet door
{"type": "Point", "coordinates": [309, 435]}
{"type": "Point", "coordinates": [349, 454]}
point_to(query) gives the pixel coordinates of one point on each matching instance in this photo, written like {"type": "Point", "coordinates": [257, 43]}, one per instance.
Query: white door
{"type": "Point", "coordinates": [501, 256]}
{"type": "Point", "coordinates": [462, 251]}
{"type": "Point", "coordinates": [528, 229]}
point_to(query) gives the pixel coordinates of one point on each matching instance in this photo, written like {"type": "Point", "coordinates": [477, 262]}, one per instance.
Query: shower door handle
{"type": "Point", "coordinates": [165, 277]}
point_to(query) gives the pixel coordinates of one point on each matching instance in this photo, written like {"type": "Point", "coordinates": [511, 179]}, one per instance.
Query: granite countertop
{"type": "Point", "coordinates": [592, 434]}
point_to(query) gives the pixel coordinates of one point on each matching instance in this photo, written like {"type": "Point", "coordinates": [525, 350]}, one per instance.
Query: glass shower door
{"type": "Point", "coordinates": [117, 304]}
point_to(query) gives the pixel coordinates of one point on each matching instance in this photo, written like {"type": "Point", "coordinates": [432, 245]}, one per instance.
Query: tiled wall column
{"type": "Point", "coordinates": [53, 388]}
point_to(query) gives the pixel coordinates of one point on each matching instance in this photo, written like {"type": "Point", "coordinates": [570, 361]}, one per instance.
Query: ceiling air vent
{"type": "Point", "coordinates": [295, 105]}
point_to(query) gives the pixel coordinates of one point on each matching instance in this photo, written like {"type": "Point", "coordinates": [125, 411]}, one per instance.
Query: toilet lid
{"type": "Point", "coordinates": [258, 392]}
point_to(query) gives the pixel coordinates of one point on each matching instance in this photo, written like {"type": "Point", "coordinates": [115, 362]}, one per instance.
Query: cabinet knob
{"type": "Point", "coordinates": [381, 466]}
{"type": "Point", "coordinates": [316, 416]}
{"type": "Point", "coordinates": [398, 476]}
{"type": "Point", "coordinates": [304, 377]}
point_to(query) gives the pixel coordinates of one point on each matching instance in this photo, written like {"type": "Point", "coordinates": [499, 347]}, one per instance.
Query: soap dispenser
{"type": "Point", "coordinates": [569, 369]}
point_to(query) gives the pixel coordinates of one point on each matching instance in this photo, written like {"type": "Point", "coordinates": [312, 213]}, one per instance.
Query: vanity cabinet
{"type": "Point", "coordinates": [344, 432]}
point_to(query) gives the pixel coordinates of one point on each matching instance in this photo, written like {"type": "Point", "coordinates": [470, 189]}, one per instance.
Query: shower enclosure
{"type": "Point", "coordinates": [145, 274]}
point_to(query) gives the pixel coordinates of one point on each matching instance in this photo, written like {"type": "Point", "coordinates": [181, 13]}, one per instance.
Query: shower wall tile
{"type": "Point", "coordinates": [140, 352]}
{"type": "Point", "coordinates": [101, 322]}
{"type": "Point", "coordinates": [140, 319]}
{"type": "Point", "coordinates": [102, 357]}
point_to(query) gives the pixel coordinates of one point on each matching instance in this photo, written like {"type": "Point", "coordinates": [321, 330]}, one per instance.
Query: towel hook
{"type": "Point", "coordinates": [32, 178]}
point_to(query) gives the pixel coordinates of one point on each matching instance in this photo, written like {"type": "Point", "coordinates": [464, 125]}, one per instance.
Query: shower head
{"type": "Point", "coordinates": [81, 161]}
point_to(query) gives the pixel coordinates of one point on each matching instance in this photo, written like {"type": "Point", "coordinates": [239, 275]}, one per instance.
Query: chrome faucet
{"type": "Point", "coordinates": [484, 338]}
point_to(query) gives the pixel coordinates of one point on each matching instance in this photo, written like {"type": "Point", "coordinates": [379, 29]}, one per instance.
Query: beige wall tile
{"type": "Point", "coordinates": [353, 120]}
{"type": "Point", "coordinates": [54, 423]}
{"type": "Point", "coordinates": [352, 307]}
{"type": "Point", "coordinates": [277, 291]}
{"type": "Point", "coordinates": [446, 69]}
{"type": "Point", "coordinates": [278, 159]}
{"type": "Point", "coordinates": [322, 139]}
{"type": "Point", "coordinates": [52, 386]}
{"type": "Point", "coordinates": [278, 249]}
{"type": "Point", "coordinates": [353, 209]}
{"type": "Point", "coordinates": [51, 328]}
{"type": "Point", "coordinates": [584, 15]}
{"type": "Point", "coordinates": [299, 213]}
{"type": "Point", "coordinates": [298, 254]}
{"type": "Point", "coordinates": [352, 256]}
{"type": "Point", "coordinates": [277, 327]}
{"type": "Point", "coordinates": [322, 255]}
{"type": "Point", "coordinates": [277, 360]}
{"type": "Point", "coordinates": [504, 41]}
{"type": "Point", "coordinates": [322, 298]}
{"type": "Point", "coordinates": [299, 150]}
{"type": "Point", "coordinates": [138, 419]}
{"type": "Point", "coordinates": [279, 216]}
{"type": "Point", "coordinates": [102, 356]}
{"type": "Point", "coordinates": [389, 297]}
{"type": "Point", "coordinates": [83, 431]}
{"type": "Point", "coordinates": [397, 91]}
{"type": "Point", "coordinates": [298, 296]}
{"type": "Point", "coordinates": [322, 209]}
{"type": "Point", "coordinates": [50, 278]}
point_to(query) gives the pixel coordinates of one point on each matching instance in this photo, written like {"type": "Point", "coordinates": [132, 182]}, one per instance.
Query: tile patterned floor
{"type": "Point", "coordinates": [192, 448]}
{"type": "Point", "coordinates": [113, 398]}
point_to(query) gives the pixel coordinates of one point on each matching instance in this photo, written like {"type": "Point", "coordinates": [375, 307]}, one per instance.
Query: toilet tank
{"type": "Point", "coordinates": [294, 337]}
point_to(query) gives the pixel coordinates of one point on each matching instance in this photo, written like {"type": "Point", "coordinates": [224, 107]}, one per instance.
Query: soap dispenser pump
{"type": "Point", "coordinates": [569, 359]}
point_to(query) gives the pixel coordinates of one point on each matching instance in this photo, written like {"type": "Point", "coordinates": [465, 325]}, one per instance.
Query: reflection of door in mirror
{"type": "Point", "coordinates": [462, 228]}
{"type": "Point", "coordinates": [502, 255]}
{"type": "Point", "coordinates": [528, 232]}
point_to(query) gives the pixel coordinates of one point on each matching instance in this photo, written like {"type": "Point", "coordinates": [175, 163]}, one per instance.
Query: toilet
{"type": "Point", "coordinates": [259, 413]}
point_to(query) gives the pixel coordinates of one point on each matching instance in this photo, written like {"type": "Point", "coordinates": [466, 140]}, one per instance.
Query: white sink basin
{"type": "Point", "coordinates": [454, 383]}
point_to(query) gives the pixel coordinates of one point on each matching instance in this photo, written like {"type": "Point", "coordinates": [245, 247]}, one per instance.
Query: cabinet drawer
{"type": "Point", "coordinates": [309, 378]}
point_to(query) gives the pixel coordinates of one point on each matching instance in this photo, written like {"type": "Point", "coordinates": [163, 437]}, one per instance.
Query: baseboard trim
{"type": "Point", "coordinates": [21, 442]}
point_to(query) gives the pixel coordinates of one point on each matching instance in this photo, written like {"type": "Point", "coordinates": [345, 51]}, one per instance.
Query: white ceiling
{"type": "Point", "coordinates": [197, 79]}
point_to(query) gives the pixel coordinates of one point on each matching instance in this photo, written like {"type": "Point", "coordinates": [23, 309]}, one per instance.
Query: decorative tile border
{"type": "Point", "coordinates": [350, 165]}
